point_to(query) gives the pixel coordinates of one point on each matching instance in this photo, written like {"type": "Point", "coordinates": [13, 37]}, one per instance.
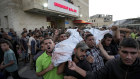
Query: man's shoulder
{"type": "Point", "coordinates": [39, 59]}
{"type": "Point", "coordinates": [10, 51]}
{"type": "Point", "coordinates": [31, 38]}
{"type": "Point", "coordinates": [42, 56]}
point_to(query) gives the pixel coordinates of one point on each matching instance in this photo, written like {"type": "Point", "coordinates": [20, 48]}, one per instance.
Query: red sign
{"type": "Point", "coordinates": [65, 7]}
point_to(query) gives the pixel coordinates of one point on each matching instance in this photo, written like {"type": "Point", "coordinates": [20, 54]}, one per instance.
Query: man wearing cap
{"type": "Point", "coordinates": [127, 66]}
{"type": "Point", "coordinates": [79, 58]}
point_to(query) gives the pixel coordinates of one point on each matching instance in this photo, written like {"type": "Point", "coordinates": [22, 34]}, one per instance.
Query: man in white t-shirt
{"type": "Point", "coordinates": [32, 48]}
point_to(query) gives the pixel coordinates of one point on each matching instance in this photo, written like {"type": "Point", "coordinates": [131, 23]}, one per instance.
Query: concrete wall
{"type": "Point", "coordinates": [6, 12]}
{"type": "Point", "coordinates": [70, 23]}
{"type": "Point", "coordinates": [18, 19]}
{"type": "Point", "coordinates": [100, 22]}
{"type": "Point", "coordinates": [83, 8]}
{"type": "Point", "coordinates": [28, 20]}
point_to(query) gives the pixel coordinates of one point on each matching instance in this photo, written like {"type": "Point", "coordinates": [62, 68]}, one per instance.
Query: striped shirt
{"type": "Point", "coordinates": [98, 60]}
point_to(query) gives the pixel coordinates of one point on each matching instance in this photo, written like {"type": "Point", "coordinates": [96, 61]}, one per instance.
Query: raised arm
{"type": "Point", "coordinates": [100, 74]}
{"type": "Point", "coordinates": [104, 53]}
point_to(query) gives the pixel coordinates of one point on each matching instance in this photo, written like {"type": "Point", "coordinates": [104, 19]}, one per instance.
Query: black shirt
{"type": "Point", "coordinates": [116, 69]}
{"type": "Point", "coordinates": [111, 49]}
{"type": "Point", "coordinates": [82, 64]}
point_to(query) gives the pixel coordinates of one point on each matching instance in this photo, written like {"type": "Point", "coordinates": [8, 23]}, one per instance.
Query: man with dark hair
{"type": "Point", "coordinates": [10, 62]}
{"type": "Point", "coordinates": [41, 38]}
{"type": "Point", "coordinates": [104, 28]}
{"type": "Point", "coordinates": [94, 52]}
{"type": "Point", "coordinates": [108, 46]}
{"type": "Point", "coordinates": [24, 46]}
{"type": "Point", "coordinates": [10, 33]}
{"type": "Point", "coordinates": [13, 42]}
{"type": "Point", "coordinates": [125, 67]}
{"type": "Point", "coordinates": [62, 36]}
{"type": "Point", "coordinates": [80, 60]}
{"type": "Point", "coordinates": [44, 65]}
{"type": "Point", "coordinates": [29, 33]}
{"type": "Point", "coordinates": [122, 35]}
{"type": "Point", "coordinates": [25, 30]}
{"type": "Point", "coordinates": [40, 52]}
{"type": "Point", "coordinates": [32, 48]}
{"type": "Point", "coordinates": [2, 30]}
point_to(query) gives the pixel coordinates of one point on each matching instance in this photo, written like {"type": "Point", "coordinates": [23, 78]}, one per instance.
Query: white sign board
{"type": "Point", "coordinates": [63, 6]}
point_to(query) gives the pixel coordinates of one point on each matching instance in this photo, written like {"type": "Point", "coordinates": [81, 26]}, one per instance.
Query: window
{"type": "Point", "coordinates": [6, 21]}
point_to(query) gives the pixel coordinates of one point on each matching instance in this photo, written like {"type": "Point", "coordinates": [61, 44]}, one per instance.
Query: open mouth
{"type": "Point", "coordinates": [49, 47]}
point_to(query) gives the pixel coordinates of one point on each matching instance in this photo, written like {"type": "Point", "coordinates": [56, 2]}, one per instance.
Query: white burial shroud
{"type": "Point", "coordinates": [63, 50]}
{"type": "Point", "coordinates": [98, 34]}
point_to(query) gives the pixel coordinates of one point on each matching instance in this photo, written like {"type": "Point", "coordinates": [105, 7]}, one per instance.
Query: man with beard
{"type": "Point", "coordinates": [125, 67]}
{"type": "Point", "coordinates": [108, 48]}
{"type": "Point", "coordinates": [94, 52]}
{"type": "Point", "coordinates": [44, 65]}
{"type": "Point", "coordinates": [79, 58]}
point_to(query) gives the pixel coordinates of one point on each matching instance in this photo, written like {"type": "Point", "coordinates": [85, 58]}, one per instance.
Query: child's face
{"type": "Point", "coordinates": [4, 46]}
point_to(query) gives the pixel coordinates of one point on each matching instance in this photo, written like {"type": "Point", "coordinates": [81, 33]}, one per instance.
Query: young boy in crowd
{"type": "Point", "coordinates": [10, 63]}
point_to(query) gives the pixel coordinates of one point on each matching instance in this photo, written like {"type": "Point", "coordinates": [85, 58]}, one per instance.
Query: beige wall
{"type": "Point", "coordinates": [100, 22]}
{"type": "Point", "coordinates": [5, 11]}
{"type": "Point", "coordinates": [29, 20]}
{"type": "Point", "coordinates": [70, 23]}
{"type": "Point", "coordinates": [83, 9]}
{"type": "Point", "coordinates": [18, 19]}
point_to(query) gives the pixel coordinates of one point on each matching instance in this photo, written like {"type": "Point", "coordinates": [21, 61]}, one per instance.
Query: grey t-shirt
{"type": "Point", "coordinates": [8, 56]}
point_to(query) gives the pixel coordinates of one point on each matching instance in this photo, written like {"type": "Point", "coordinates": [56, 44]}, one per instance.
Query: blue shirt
{"type": "Point", "coordinates": [8, 56]}
{"type": "Point", "coordinates": [24, 42]}
{"type": "Point", "coordinates": [10, 34]}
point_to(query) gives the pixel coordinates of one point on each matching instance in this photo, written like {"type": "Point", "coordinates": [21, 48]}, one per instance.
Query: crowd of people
{"type": "Point", "coordinates": [116, 56]}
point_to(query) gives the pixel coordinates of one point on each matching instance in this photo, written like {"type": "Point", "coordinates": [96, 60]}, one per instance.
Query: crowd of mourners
{"type": "Point", "coordinates": [116, 56]}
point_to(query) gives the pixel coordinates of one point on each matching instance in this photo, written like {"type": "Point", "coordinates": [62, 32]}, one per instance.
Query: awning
{"type": "Point", "coordinates": [81, 22]}
{"type": "Point", "coordinates": [88, 23]}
